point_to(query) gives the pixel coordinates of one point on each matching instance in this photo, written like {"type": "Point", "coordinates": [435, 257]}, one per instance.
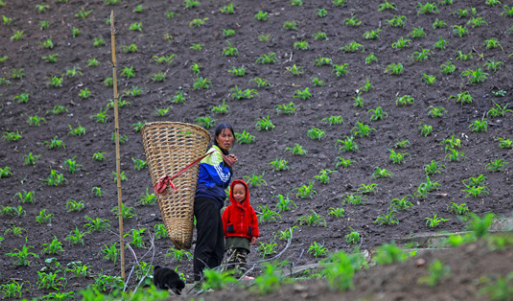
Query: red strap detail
{"type": "Point", "coordinates": [165, 181]}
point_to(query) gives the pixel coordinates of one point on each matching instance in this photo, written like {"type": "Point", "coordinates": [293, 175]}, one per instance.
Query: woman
{"type": "Point", "coordinates": [215, 172]}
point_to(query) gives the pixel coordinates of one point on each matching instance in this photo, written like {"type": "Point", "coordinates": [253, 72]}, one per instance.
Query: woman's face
{"type": "Point", "coordinates": [225, 139]}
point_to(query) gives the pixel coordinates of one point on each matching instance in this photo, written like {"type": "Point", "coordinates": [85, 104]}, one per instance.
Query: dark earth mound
{"type": "Point", "coordinates": [162, 36]}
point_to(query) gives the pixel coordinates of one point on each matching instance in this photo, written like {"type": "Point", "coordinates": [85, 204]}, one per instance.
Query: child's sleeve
{"type": "Point", "coordinates": [254, 223]}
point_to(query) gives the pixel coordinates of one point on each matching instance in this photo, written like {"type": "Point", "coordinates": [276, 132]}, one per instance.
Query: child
{"type": "Point", "coordinates": [240, 226]}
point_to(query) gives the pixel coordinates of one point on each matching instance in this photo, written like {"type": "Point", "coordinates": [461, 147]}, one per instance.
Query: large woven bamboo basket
{"type": "Point", "coordinates": [169, 147]}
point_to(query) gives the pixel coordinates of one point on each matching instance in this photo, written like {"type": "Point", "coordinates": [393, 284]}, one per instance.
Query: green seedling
{"type": "Point", "coordinates": [319, 35]}
{"type": "Point", "coordinates": [55, 179]}
{"type": "Point", "coordinates": [139, 164]}
{"type": "Point", "coordinates": [132, 48]}
{"type": "Point", "coordinates": [126, 212]}
{"type": "Point", "coordinates": [395, 157]}
{"type": "Point", "coordinates": [196, 46]}
{"type": "Point", "coordinates": [321, 12]}
{"type": "Point", "coordinates": [371, 58]}
{"type": "Point", "coordinates": [500, 288]}
{"type": "Point", "coordinates": [477, 22]}
{"type": "Point", "coordinates": [353, 237]}
{"type": "Point", "coordinates": [75, 237]}
{"type": "Point", "coordinates": [441, 44]}
{"type": "Point", "coordinates": [11, 136]}
{"type": "Point", "coordinates": [402, 203]}
{"type": "Point", "coordinates": [31, 159]}
{"type": "Point", "coordinates": [417, 33]}
{"type": "Point", "coordinates": [123, 177]}
{"type": "Point", "coordinates": [454, 155]}
{"type": "Point", "coordinates": [428, 8]}
{"type": "Point", "coordinates": [26, 197]}
{"type": "Point", "coordinates": [72, 205]}
{"type": "Point", "coordinates": [179, 97]}
{"type": "Point", "coordinates": [136, 26]}
{"type": "Point", "coordinates": [463, 98]}
{"type": "Point", "coordinates": [389, 218]}
{"type": "Point", "coordinates": [221, 109]}
{"type": "Point", "coordinates": [353, 21]}
{"type": "Point", "coordinates": [84, 93]}
{"type": "Point", "coordinates": [128, 72]}
{"type": "Point", "coordinates": [93, 62]}
{"type": "Point", "coordinates": [397, 21]}
{"type": "Point", "coordinates": [228, 32]}
{"type": "Point", "coordinates": [434, 167]}
{"type": "Point", "coordinates": [13, 289]}
{"type": "Point", "coordinates": [395, 69]}
{"type": "Point", "coordinates": [372, 34]}
{"type": "Point", "coordinates": [301, 45]}
{"type": "Point", "coordinates": [304, 95]}
{"type": "Point", "coordinates": [305, 191]}
{"type": "Point", "coordinates": [436, 111]}
{"type": "Point", "coordinates": [13, 211]}
{"type": "Point", "coordinates": [316, 134]}
{"type": "Point", "coordinates": [333, 120]}
{"type": "Point", "coordinates": [230, 50]}
{"type": "Point", "coordinates": [377, 114]}
{"type": "Point", "coordinates": [297, 150]}
{"type": "Point", "coordinates": [54, 143]}
{"type": "Point", "coordinates": [264, 124]}
{"type": "Point", "coordinates": [53, 247]}
{"type": "Point", "coordinates": [382, 173]}
{"type": "Point", "coordinates": [317, 250]}
{"type": "Point", "coordinates": [433, 222]}
{"type": "Point", "coordinates": [361, 130]}
{"type": "Point", "coordinates": [402, 144]}
{"type": "Point", "coordinates": [429, 80]}
{"type": "Point", "coordinates": [35, 120]}
{"type": "Point", "coordinates": [206, 122]}
{"type": "Point", "coordinates": [461, 209]}
{"type": "Point", "coordinates": [425, 129]}
{"type": "Point", "coordinates": [43, 217]}
{"type": "Point", "coordinates": [479, 126]}
{"type": "Point", "coordinates": [179, 255]}
{"type": "Point", "coordinates": [244, 138]}
{"type": "Point", "coordinates": [404, 100]}
{"type": "Point", "coordinates": [352, 47]}
{"type": "Point", "coordinates": [99, 156]}
{"type": "Point", "coordinates": [505, 143]}
{"type": "Point", "coordinates": [348, 145]}
{"type": "Point", "coordinates": [261, 16]}
{"type": "Point", "coordinates": [336, 212]}
{"type": "Point", "coordinates": [267, 214]}
{"type": "Point", "coordinates": [345, 163]}
{"type": "Point", "coordinates": [216, 280]}
{"type": "Point", "coordinates": [83, 13]}
{"type": "Point", "coordinates": [75, 32]}
{"type": "Point", "coordinates": [340, 70]}
{"type": "Point", "coordinates": [496, 165]}
{"type": "Point", "coordinates": [18, 35]}
{"type": "Point", "coordinates": [22, 98]}
{"type": "Point", "coordinates": [256, 180]}
{"type": "Point", "coordinates": [366, 189]}
{"type": "Point", "coordinates": [493, 66]}
{"type": "Point", "coordinates": [22, 255]}
{"type": "Point", "coordinates": [492, 44]}
{"type": "Point", "coordinates": [324, 176]}
{"type": "Point", "coordinates": [51, 58]}
{"type": "Point", "coordinates": [147, 198]}
{"type": "Point", "coordinates": [401, 43]}
{"type": "Point", "coordinates": [474, 76]}
{"type": "Point", "coordinates": [290, 25]}
{"type": "Point", "coordinates": [475, 191]}
{"type": "Point", "coordinates": [463, 57]}
{"type": "Point", "coordinates": [111, 252]}
{"type": "Point", "coordinates": [17, 73]}
{"type": "Point", "coordinates": [312, 219]}
{"type": "Point", "coordinates": [261, 83]}
{"type": "Point", "coordinates": [295, 70]}
{"type": "Point", "coordinates": [353, 199]}
{"type": "Point", "coordinates": [279, 164]}
{"type": "Point", "coordinates": [228, 9]}
{"type": "Point", "coordinates": [387, 6]}
{"type": "Point", "coordinates": [158, 77]}
{"type": "Point", "coordinates": [73, 72]}
{"type": "Point", "coordinates": [97, 224]}
{"type": "Point", "coordinates": [285, 203]}
{"type": "Point", "coordinates": [202, 83]}
{"type": "Point", "coordinates": [460, 30]}
{"type": "Point", "coordinates": [423, 55]}
{"type": "Point", "coordinates": [439, 24]}
{"type": "Point", "coordinates": [264, 38]}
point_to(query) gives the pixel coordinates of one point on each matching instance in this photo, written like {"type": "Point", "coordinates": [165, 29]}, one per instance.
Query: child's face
{"type": "Point", "coordinates": [239, 193]}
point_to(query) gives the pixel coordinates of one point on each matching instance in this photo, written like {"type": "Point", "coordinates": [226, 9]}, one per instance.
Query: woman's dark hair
{"type": "Point", "coordinates": [219, 128]}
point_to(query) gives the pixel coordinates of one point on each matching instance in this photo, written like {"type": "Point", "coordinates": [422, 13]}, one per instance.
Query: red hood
{"type": "Point", "coordinates": [245, 204]}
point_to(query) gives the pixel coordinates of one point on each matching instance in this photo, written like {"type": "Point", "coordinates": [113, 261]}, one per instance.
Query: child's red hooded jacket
{"type": "Point", "coordinates": [240, 220]}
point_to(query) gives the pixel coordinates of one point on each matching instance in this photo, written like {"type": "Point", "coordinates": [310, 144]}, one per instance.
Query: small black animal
{"type": "Point", "coordinates": [165, 278]}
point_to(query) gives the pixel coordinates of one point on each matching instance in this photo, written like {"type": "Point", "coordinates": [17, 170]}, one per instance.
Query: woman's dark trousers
{"type": "Point", "coordinates": [209, 249]}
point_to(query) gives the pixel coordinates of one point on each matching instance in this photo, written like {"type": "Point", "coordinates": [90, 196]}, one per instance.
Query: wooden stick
{"type": "Point", "coordinates": [118, 157]}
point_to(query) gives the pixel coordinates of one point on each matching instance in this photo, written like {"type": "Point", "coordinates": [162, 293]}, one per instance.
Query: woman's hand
{"type": "Point", "coordinates": [233, 158]}
{"type": "Point", "coordinates": [253, 240]}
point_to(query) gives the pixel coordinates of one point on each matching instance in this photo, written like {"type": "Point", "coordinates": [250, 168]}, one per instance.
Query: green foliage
{"type": "Point", "coordinates": [317, 250]}
{"type": "Point", "coordinates": [255, 180]}
{"type": "Point", "coordinates": [500, 289]}
{"type": "Point", "coordinates": [389, 218]}
{"type": "Point", "coordinates": [285, 203]}
{"type": "Point", "coordinates": [72, 205]}
{"type": "Point", "coordinates": [206, 122]}
{"type": "Point", "coordinates": [404, 100]}
{"type": "Point", "coordinates": [434, 167]}
{"type": "Point", "coordinates": [75, 237]}
{"type": "Point", "coordinates": [433, 222]}
{"type": "Point", "coordinates": [390, 253]}
{"type": "Point", "coordinates": [339, 269]}
{"type": "Point", "coordinates": [25, 197]}
{"type": "Point", "coordinates": [461, 209]}
{"type": "Point", "coordinates": [316, 134]}
{"type": "Point", "coordinates": [267, 214]}
{"type": "Point", "coordinates": [297, 150]}
{"type": "Point", "coordinates": [382, 173]}
{"type": "Point", "coordinates": [496, 165]}
{"type": "Point", "coordinates": [97, 224]}
{"type": "Point", "coordinates": [126, 212]}
{"type": "Point", "coordinates": [323, 176]}
{"type": "Point", "coordinates": [264, 124]}
{"type": "Point", "coordinates": [305, 191]}
{"type": "Point", "coordinates": [22, 255]}
{"type": "Point", "coordinates": [111, 252]}
{"type": "Point", "coordinates": [279, 164]}
{"type": "Point", "coordinates": [402, 203]}
{"type": "Point", "coordinates": [312, 219]}
{"type": "Point", "coordinates": [480, 225]}
{"type": "Point", "coordinates": [397, 21]}
{"type": "Point", "coordinates": [395, 69]}
{"type": "Point", "coordinates": [353, 21]}
{"type": "Point", "coordinates": [361, 129]}
{"type": "Point", "coordinates": [179, 255]}
{"type": "Point", "coordinates": [396, 157]}
{"type": "Point", "coordinates": [304, 95]}
{"type": "Point", "coordinates": [437, 271]}
{"type": "Point", "coordinates": [348, 145]}
{"type": "Point", "coordinates": [53, 247]}
{"type": "Point", "coordinates": [353, 237]}
{"type": "Point", "coordinates": [266, 249]}
{"type": "Point", "coordinates": [336, 212]}
{"type": "Point", "coordinates": [137, 238]}
{"type": "Point", "coordinates": [353, 199]}
{"type": "Point", "coordinates": [43, 217]}
{"type": "Point", "coordinates": [286, 108]}
{"type": "Point", "coordinates": [244, 138]}
{"type": "Point", "coordinates": [344, 162]}
{"type": "Point", "coordinates": [55, 179]}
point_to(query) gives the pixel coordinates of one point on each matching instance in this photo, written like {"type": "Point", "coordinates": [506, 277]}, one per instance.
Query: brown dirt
{"type": "Point", "coordinates": [334, 98]}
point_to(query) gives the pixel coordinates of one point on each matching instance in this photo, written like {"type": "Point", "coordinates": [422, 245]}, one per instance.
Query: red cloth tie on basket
{"type": "Point", "coordinates": [166, 181]}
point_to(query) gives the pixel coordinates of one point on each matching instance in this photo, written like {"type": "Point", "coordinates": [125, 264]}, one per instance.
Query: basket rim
{"type": "Point", "coordinates": [168, 123]}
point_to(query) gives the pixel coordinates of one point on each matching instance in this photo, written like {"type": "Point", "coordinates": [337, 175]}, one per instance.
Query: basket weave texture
{"type": "Point", "coordinates": [169, 147]}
